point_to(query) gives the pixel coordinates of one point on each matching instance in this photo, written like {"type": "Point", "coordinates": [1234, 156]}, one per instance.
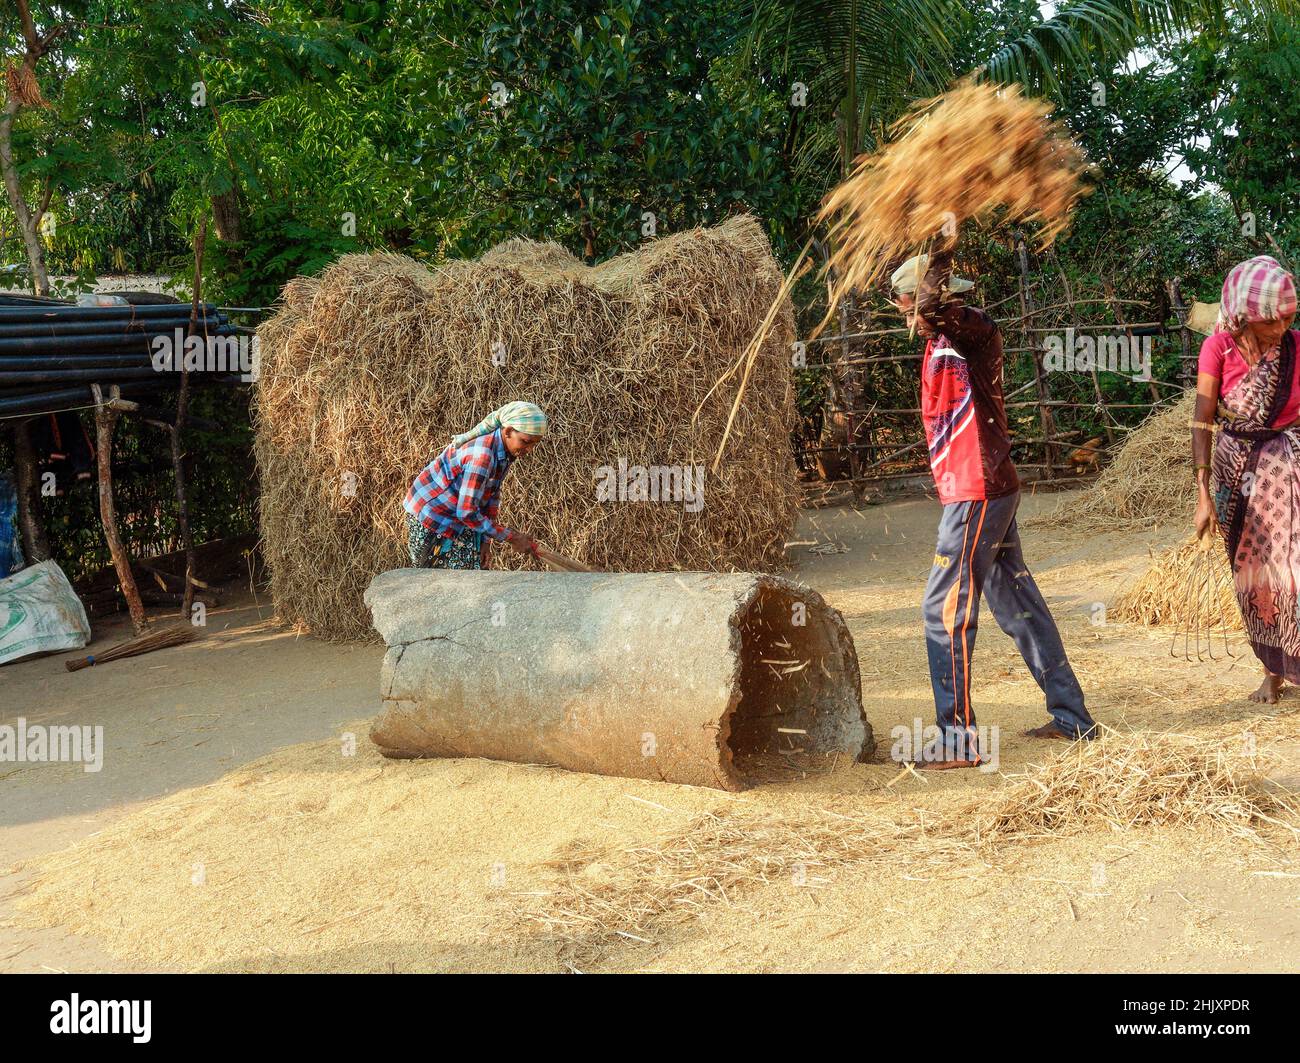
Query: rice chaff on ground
{"type": "Point", "coordinates": [1117, 782]}
{"type": "Point", "coordinates": [1190, 589]}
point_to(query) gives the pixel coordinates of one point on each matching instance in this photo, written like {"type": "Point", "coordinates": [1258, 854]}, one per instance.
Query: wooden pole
{"type": "Point", "coordinates": [182, 406]}
{"type": "Point", "coordinates": [105, 420]}
{"type": "Point", "coordinates": [1026, 308]}
{"type": "Point", "coordinates": [1115, 309]}
{"type": "Point", "coordinates": [1185, 372]}
{"type": "Point", "coordinates": [852, 393]}
{"type": "Point", "coordinates": [36, 546]}
{"type": "Point", "coordinates": [1096, 380]}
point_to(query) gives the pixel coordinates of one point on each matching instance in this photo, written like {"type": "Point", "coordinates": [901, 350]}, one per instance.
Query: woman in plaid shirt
{"type": "Point", "coordinates": [451, 507]}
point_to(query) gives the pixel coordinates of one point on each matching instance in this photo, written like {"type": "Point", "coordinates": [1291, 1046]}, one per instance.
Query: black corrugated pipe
{"type": "Point", "coordinates": [96, 313]}
{"type": "Point", "coordinates": [18, 362]}
{"type": "Point", "coordinates": [73, 344]}
{"type": "Point", "coordinates": [60, 399]}
{"type": "Point", "coordinates": [68, 376]}
{"type": "Point", "coordinates": [90, 328]}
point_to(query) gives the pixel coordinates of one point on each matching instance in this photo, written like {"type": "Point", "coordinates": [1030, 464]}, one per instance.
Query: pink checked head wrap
{"type": "Point", "coordinates": [1258, 289]}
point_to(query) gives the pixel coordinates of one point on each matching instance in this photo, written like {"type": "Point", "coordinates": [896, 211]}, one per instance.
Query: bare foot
{"type": "Point", "coordinates": [944, 765]}
{"type": "Point", "coordinates": [1269, 690]}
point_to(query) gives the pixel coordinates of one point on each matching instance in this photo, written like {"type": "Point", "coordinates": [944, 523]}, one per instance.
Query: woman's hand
{"type": "Point", "coordinates": [523, 542]}
{"type": "Point", "coordinates": [1206, 520]}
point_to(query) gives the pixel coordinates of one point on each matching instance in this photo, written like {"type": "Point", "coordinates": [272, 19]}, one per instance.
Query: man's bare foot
{"type": "Point", "coordinates": [1269, 690]}
{"type": "Point", "coordinates": [944, 765]}
{"type": "Point", "coordinates": [1048, 730]}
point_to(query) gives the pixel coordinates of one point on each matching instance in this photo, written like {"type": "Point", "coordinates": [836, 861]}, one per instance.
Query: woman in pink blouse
{"type": "Point", "coordinates": [1247, 458]}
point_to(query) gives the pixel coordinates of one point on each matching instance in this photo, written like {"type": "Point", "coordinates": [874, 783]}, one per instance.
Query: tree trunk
{"type": "Point", "coordinates": [29, 219]}
{"type": "Point", "coordinates": [227, 218]}
{"type": "Point", "coordinates": [36, 546]}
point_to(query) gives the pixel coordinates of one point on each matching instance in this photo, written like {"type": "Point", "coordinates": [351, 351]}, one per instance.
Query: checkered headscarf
{"type": "Point", "coordinates": [1258, 289]}
{"type": "Point", "coordinates": [521, 416]}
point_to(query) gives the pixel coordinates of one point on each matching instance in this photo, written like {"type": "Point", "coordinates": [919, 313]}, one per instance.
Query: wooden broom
{"type": "Point", "coordinates": [155, 640]}
{"type": "Point", "coordinates": [559, 562]}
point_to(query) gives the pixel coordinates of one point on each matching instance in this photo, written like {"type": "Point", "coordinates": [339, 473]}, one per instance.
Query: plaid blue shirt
{"type": "Point", "coordinates": [461, 488]}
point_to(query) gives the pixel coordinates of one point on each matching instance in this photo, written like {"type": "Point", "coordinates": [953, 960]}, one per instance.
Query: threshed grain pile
{"type": "Point", "coordinates": [370, 368]}
{"type": "Point", "coordinates": [1148, 483]}
{"type": "Point", "coordinates": [1187, 588]}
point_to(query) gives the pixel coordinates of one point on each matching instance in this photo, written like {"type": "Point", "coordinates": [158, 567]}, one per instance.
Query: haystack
{"type": "Point", "coordinates": [369, 369]}
{"type": "Point", "coordinates": [1148, 483]}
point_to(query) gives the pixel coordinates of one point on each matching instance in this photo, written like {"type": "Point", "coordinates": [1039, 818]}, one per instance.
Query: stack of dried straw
{"type": "Point", "coordinates": [1148, 483]}
{"type": "Point", "coordinates": [369, 369]}
{"type": "Point", "coordinates": [956, 157]}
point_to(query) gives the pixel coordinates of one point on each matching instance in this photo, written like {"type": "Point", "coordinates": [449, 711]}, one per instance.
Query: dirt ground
{"type": "Point", "coordinates": [230, 829]}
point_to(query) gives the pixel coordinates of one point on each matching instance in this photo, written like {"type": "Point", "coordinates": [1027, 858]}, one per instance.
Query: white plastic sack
{"type": "Point", "coordinates": [40, 613]}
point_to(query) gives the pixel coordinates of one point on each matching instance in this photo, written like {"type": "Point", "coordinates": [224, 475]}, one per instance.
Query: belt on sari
{"type": "Point", "coordinates": [1254, 435]}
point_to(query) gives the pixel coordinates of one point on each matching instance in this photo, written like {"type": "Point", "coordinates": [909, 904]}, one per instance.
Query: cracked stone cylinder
{"type": "Point", "coordinates": [690, 677]}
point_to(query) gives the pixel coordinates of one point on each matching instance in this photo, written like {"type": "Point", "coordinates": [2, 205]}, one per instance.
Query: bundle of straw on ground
{"type": "Point", "coordinates": [1149, 483]}
{"type": "Point", "coordinates": [1188, 588]}
{"type": "Point", "coordinates": [1118, 782]}
{"type": "Point", "coordinates": [368, 370]}
{"type": "Point", "coordinates": [955, 157]}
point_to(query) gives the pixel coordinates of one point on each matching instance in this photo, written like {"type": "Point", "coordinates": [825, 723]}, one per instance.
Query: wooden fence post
{"type": "Point", "coordinates": [1044, 397]}
{"type": "Point", "coordinates": [1096, 380]}
{"type": "Point", "coordinates": [1186, 373]}
{"type": "Point", "coordinates": [105, 420]}
{"type": "Point", "coordinates": [182, 410]}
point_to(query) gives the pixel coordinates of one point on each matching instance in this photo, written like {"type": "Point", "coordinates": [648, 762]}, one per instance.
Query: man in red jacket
{"type": "Point", "coordinates": [978, 551]}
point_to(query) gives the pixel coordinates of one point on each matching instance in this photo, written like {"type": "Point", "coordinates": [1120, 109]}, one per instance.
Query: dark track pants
{"type": "Point", "coordinates": [978, 552]}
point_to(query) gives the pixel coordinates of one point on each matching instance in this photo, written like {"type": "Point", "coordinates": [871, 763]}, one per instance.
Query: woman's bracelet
{"type": "Point", "coordinates": [1207, 425]}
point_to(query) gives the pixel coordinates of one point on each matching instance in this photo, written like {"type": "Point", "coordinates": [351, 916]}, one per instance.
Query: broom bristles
{"type": "Point", "coordinates": [154, 640]}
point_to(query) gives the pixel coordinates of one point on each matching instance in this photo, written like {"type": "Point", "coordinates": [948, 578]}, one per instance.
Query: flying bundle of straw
{"type": "Point", "coordinates": [368, 370]}
{"type": "Point", "coordinates": [955, 157]}
{"type": "Point", "coordinates": [1148, 483]}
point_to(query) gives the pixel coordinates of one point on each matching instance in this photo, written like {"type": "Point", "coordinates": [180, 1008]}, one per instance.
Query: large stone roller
{"type": "Point", "coordinates": [687, 677]}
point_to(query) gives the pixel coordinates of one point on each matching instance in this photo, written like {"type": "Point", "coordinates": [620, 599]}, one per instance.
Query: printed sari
{"type": "Point", "coordinates": [428, 549]}
{"type": "Point", "coordinates": [1256, 481]}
